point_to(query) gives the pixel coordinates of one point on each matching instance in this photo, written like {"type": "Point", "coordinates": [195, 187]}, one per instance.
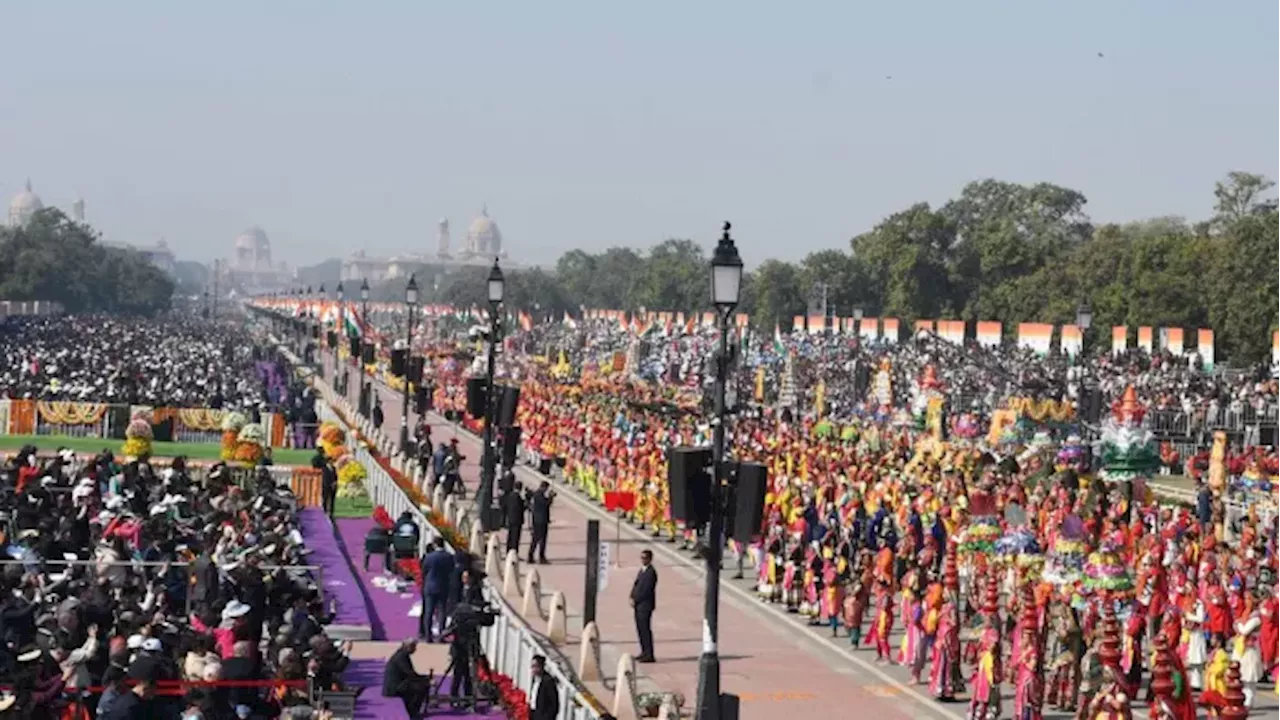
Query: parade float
{"type": "Point", "coordinates": [928, 402]}
{"type": "Point", "coordinates": [1064, 565]}
{"type": "Point", "coordinates": [138, 435]}
{"type": "Point", "coordinates": [1129, 451]}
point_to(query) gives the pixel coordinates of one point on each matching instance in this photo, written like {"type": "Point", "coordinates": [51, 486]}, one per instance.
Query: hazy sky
{"type": "Point", "coordinates": [337, 126]}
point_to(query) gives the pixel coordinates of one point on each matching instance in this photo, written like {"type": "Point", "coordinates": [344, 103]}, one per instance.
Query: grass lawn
{"type": "Point", "coordinates": [352, 508]}
{"type": "Point", "coordinates": [193, 451]}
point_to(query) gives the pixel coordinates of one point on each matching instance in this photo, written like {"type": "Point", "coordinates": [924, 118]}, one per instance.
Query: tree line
{"type": "Point", "coordinates": [1000, 251]}
{"type": "Point", "coordinates": [55, 258]}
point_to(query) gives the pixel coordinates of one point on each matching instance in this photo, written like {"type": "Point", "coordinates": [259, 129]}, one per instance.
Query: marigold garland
{"type": "Point", "coordinates": [70, 413]}
{"type": "Point", "coordinates": [202, 419]}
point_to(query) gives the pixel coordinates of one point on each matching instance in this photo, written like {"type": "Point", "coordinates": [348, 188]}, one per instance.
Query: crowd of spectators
{"type": "Point", "coordinates": [180, 361]}
{"type": "Point", "coordinates": [120, 582]}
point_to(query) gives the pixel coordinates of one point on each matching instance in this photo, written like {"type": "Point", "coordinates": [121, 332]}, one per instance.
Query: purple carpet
{"type": "Point", "coordinates": [371, 703]}
{"type": "Point", "coordinates": [339, 582]}
{"type": "Point", "coordinates": [388, 612]}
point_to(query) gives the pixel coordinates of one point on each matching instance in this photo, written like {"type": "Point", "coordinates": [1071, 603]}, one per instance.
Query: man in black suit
{"type": "Point", "coordinates": [540, 512]}
{"type": "Point", "coordinates": [513, 512]}
{"type": "Point", "coordinates": [544, 695]}
{"type": "Point", "coordinates": [437, 574]}
{"type": "Point", "coordinates": [644, 598]}
{"type": "Point", "coordinates": [400, 679]}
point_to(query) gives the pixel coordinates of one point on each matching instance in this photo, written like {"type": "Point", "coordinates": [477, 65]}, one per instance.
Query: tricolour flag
{"type": "Point", "coordinates": [1119, 339]}
{"type": "Point", "coordinates": [869, 329]}
{"type": "Point", "coordinates": [1144, 339]}
{"type": "Point", "coordinates": [1072, 340]}
{"type": "Point", "coordinates": [890, 333]}
{"type": "Point", "coordinates": [1204, 346]}
{"type": "Point", "coordinates": [778, 346]}
{"type": "Point", "coordinates": [1173, 340]}
{"type": "Point", "coordinates": [1036, 337]}
{"type": "Point", "coordinates": [989, 333]}
{"type": "Point", "coordinates": [952, 331]}
{"type": "Point", "coordinates": [797, 323]}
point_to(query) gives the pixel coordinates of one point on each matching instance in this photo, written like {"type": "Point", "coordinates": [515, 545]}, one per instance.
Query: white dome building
{"type": "Point", "coordinates": [253, 250]}
{"type": "Point", "coordinates": [483, 236]}
{"type": "Point", "coordinates": [23, 206]}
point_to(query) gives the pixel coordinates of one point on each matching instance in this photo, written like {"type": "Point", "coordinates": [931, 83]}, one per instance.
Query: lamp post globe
{"type": "Point", "coordinates": [1084, 315]}
{"type": "Point", "coordinates": [497, 285]}
{"type": "Point", "coordinates": [726, 273]}
{"type": "Point", "coordinates": [410, 300]}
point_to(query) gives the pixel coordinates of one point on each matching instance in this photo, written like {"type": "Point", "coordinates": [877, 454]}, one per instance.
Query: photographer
{"type": "Point", "coordinates": [463, 635]}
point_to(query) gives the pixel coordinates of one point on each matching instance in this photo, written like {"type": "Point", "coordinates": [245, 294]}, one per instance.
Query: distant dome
{"type": "Point", "coordinates": [23, 206]}
{"type": "Point", "coordinates": [252, 239]}
{"type": "Point", "coordinates": [483, 235]}
{"type": "Point", "coordinates": [253, 250]}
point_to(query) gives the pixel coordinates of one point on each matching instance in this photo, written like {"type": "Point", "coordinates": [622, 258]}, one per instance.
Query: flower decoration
{"type": "Point", "coordinates": [351, 476]}
{"type": "Point", "coordinates": [234, 421]}
{"type": "Point", "coordinates": [138, 435]}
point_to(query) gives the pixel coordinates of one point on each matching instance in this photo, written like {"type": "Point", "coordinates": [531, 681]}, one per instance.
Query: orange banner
{"type": "Point", "coordinates": [1144, 338]}
{"type": "Point", "coordinates": [1119, 339]}
{"type": "Point", "coordinates": [890, 333]}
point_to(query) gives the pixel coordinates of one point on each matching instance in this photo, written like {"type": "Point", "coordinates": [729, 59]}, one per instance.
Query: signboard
{"type": "Point", "coordinates": [602, 565]}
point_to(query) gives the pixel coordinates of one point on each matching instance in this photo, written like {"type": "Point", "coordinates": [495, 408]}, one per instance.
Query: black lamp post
{"type": "Point", "coordinates": [1084, 320]}
{"type": "Point", "coordinates": [726, 285]}
{"type": "Point", "coordinates": [339, 334]}
{"type": "Point", "coordinates": [410, 300]}
{"type": "Point", "coordinates": [364, 404]}
{"type": "Point", "coordinates": [857, 324]}
{"type": "Point", "coordinates": [488, 466]}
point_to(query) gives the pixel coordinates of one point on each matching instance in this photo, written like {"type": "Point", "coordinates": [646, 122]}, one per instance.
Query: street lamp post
{"type": "Point", "coordinates": [726, 284]}
{"type": "Point", "coordinates": [316, 325]}
{"type": "Point", "coordinates": [339, 335]}
{"type": "Point", "coordinates": [1084, 320]}
{"type": "Point", "coordinates": [363, 401]}
{"type": "Point", "coordinates": [488, 466]}
{"type": "Point", "coordinates": [410, 300]}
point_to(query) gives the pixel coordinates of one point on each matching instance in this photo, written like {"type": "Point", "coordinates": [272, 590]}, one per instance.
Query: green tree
{"type": "Point", "coordinates": [53, 258]}
{"type": "Point", "coordinates": [904, 259]}
{"type": "Point", "coordinates": [1240, 194]}
{"type": "Point", "coordinates": [674, 276]}
{"type": "Point", "coordinates": [773, 295]}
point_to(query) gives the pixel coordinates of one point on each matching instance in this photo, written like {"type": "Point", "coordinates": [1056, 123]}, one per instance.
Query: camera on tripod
{"type": "Point", "coordinates": [468, 619]}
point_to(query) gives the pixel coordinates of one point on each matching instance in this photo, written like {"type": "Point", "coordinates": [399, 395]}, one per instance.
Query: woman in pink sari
{"type": "Point", "coordinates": [1028, 695]}
{"type": "Point", "coordinates": [985, 681]}
{"type": "Point", "coordinates": [945, 663]}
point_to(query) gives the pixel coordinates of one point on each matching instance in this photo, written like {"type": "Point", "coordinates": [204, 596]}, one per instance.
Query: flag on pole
{"type": "Point", "coordinates": [778, 347]}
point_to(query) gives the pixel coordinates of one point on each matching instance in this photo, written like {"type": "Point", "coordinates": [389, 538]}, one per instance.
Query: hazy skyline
{"type": "Point", "coordinates": [339, 126]}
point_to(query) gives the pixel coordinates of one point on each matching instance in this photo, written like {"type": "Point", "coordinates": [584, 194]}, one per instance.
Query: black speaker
{"type": "Point", "coordinates": [332, 337]}
{"type": "Point", "coordinates": [119, 420]}
{"type": "Point", "coordinates": [748, 502]}
{"type": "Point", "coordinates": [1095, 405]}
{"type": "Point", "coordinates": [163, 430]}
{"type": "Point", "coordinates": [510, 443]}
{"type": "Point", "coordinates": [508, 403]}
{"type": "Point", "coordinates": [315, 331]}
{"type": "Point", "coordinates": [861, 379]}
{"type": "Point", "coordinates": [422, 399]}
{"type": "Point", "coordinates": [368, 353]}
{"type": "Point", "coordinates": [416, 364]}
{"type": "Point", "coordinates": [689, 483]}
{"type": "Point", "coordinates": [398, 358]}
{"type": "Point", "coordinates": [476, 397]}
{"type": "Point", "coordinates": [353, 347]}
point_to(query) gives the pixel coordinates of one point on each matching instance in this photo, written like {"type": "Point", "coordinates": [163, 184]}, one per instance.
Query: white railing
{"type": "Point", "coordinates": [509, 644]}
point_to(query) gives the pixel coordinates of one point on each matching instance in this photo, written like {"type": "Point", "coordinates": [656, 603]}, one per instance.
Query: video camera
{"type": "Point", "coordinates": [468, 619]}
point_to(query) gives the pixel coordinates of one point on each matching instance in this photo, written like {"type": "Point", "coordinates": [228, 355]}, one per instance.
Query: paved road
{"type": "Point", "coordinates": [773, 660]}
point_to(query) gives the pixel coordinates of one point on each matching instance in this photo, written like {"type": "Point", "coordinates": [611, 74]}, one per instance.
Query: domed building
{"type": "Point", "coordinates": [483, 243]}
{"type": "Point", "coordinates": [483, 237]}
{"type": "Point", "coordinates": [251, 269]}
{"type": "Point", "coordinates": [24, 206]}
{"type": "Point", "coordinates": [252, 251]}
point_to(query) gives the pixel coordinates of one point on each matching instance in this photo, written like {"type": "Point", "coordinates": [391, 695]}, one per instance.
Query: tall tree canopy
{"type": "Point", "coordinates": [54, 258]}
{"type": "Point", "coordinates": [1000, 251]}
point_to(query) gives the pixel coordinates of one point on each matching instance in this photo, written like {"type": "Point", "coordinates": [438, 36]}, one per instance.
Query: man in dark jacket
{"type": "Point", "coordinates": [437, 574]}
{"type": "Point", "coordinates": [540, 513]}
{"type": "Point", "coordinates": [513, 515]}
{"type": "Point", "coordinates": [644, 599]}
{"type": "Point", "coordinates": [400, 679]}
{"type": "Point", "coordinates": [544, 696]}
